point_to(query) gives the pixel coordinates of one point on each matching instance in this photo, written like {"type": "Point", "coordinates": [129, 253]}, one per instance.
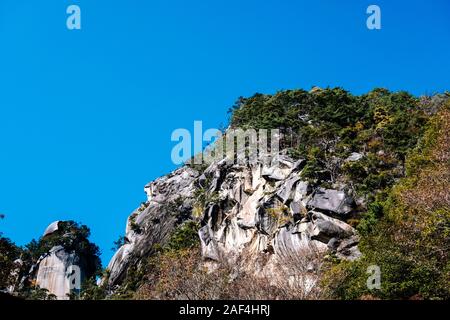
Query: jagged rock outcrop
{"type": "Point", "coordinates": [170, 201]}
{"type": "Point", "coordinates": [264, 209]}
{"type": "Point", "coordinates": [276, 216]}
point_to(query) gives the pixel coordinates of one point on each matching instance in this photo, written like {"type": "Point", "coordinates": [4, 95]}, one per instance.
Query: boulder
{"type": "Point", "coordinates": [350, 254]}
{"type": "Point", "coordinates": [331, 200]}
{"type": "Point", "coordinates": [348, 249]}
{"type": "Point", "coordinates": [326, 227]}
{"type": "Point", "coordinates": [281, 167]}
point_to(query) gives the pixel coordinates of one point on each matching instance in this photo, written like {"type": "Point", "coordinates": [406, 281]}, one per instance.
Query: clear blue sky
{"type": "Point", "coordinates": [86, 116]}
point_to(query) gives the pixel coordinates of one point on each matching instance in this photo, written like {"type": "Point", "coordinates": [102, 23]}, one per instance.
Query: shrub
{"type": "Point", "coordinates": [184, 237]}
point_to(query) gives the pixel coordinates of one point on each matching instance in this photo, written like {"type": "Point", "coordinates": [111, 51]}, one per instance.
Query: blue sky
{"type": "Point", "coordinates": [86, 115]}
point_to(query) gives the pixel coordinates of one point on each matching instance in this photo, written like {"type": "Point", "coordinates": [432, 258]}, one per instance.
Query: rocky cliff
{"type": "Point", "coordinates": [299, 208]}
{"type": "Point", "coordinates": [264, 214]}
{"type": "Point", "coordinates": [170, 202]}
{"type": "Point", "coordinates": [352, 173]}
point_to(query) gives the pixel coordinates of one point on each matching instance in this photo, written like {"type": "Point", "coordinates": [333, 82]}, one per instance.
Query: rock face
{"type": "Point", "coordinates": [170, 200]}
{"type": "Point", "coordinates": [264, 209]}
{"type": "Point", "coordinates": [333, 201]}
{"type": "Point", "coordinates": [274, 216]}
{"type": "Point", "coordinates": [58, 272]}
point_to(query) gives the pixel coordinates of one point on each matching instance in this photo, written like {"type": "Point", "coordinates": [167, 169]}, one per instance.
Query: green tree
{"type": "Point", "coordinates": [9, 252]}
